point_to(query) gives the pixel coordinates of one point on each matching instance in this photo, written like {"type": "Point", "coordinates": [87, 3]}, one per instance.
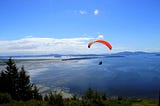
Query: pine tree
{"type": "Point", "coordinates": [36, 94]}
{"type": "Point", "coordinates": [16, 83]}
{"type": "Point", "coordinates": [89, 94]}
{"type": "Point", "coordinates": [9, 78]}
{"type": "Point", "coordinates": [3, 82]}
{"type": "Point", "coordinates": [55, 99]}
{"type": "Point", "coordinates": [24, 85]}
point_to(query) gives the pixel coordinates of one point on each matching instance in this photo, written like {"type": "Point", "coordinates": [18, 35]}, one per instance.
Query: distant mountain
{"type": "Point", "coordinates": [49, 55]}
{"type": "Point", "coordinates": [133, 53]}
{"type": "Point", "coordinates": [119, 54]}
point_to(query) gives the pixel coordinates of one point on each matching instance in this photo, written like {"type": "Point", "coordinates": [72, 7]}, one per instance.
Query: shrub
{"type": "Point", "coordinates": [55, 99]}
{"type": "Point", "coordinates": [5, 98]}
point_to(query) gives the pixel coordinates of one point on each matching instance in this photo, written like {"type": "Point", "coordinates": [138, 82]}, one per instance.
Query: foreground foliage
{"type": "Point", "coordinates": [83, 102]}
{"type": "Point", "coordinates": [90, 98]}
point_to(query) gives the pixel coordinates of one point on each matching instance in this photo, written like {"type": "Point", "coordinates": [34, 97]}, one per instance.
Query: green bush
{"type": "Point", "coordinates": [5, 98]}
{"type": "Point", "coordinates": [55, 99]}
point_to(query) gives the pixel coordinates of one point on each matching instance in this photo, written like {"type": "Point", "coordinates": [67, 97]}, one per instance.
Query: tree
{"type": "Point", "coordinates": [9, 79]}
{"type": "Point", "coordinates": [3, 82]}
{"type": "Point", "coordinates": [17, 82]}
{"type": "Point", "coordinates": [89, 94]}
{"type": "Point", "coordinates": [46, 97]}
{"type": "Point", "coordinates": [24, 85]}
{"type": "Point", "coordinates": [5, 98]}
{"type": "Point", "coordinates": [36, 94]}
{"type": "Point", "coordinates": [92, 98]}
{"type": "Point", "coordinates": [55, 99]}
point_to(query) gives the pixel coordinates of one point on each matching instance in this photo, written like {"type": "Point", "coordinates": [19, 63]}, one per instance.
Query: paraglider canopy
{"type": "Point", "coordinates": [100, 41]}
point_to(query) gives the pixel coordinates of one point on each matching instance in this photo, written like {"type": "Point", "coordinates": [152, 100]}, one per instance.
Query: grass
{"type": "Point", "coordinates": [124, 102]}
{"type": "Point", "coordinates": [146, 102]}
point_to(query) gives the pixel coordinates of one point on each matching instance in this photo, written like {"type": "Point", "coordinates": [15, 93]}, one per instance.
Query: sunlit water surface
{"type": "Point", "coordinates": [130, 76]}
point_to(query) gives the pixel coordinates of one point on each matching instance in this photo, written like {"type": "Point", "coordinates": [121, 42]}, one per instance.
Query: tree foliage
{"type": "Point", "coordinates": [9, 79]}
{"type": "Point", "coordinates": [16, 82]}
{"type": "Point", "coordinates": [55, 99]}
{"type": "Point", "coordinates": [5, 98]}
{"type": "Point", "coordinates": [92, 98]}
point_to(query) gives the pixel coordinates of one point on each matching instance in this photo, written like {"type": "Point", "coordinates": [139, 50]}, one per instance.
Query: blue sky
{"type": "Point", "coordinates": [129, 25]}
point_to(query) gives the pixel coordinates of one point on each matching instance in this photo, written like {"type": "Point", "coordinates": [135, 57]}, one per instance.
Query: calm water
{"type": "Point", "coordinates": [131, 76]}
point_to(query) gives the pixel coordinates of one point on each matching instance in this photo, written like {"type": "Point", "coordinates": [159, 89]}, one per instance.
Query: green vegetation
{"type": "Point", "coordinates": [17, 90]}
{"type": "Point", "coordinates": [17, 83]}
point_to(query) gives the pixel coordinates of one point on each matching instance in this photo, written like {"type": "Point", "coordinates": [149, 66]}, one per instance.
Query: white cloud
{"type": "Point", "coordinates": [85, 12]}
{"type": "Point", "coordinates": [82, 12]}
{"type": "Point", "coordinates": [96, 12]}
{"type": "Point", "coordinates": [35, 45]}
{"type": "Point", "coordinates": [100, 36]}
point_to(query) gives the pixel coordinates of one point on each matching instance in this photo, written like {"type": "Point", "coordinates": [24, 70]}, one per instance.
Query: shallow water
{"type": "Point", "coordinates": [130, 76]}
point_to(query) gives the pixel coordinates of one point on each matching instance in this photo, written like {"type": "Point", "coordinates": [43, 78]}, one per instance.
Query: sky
{"type": "Point", "coordinates": [67, 26]}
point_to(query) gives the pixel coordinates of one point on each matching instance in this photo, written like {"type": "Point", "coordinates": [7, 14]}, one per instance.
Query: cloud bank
{"type": "Point", "coordinates": [36, 45]}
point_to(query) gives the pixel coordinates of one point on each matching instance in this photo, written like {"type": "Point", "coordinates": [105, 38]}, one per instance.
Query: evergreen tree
{"type": "Point", "coordinates": [36, 94]}
{"type": "Point", "coordinates": [89, 94]}
{"type": "Point", "coordinates": [9, 78]}
{"type": "Point", "coordinates": [55, 99]}
{"type": "Point", "coordinates": [46, 97]}
{"type": "Point", "coordinates": [3, 82]}
{"type": "Point", "coordinates": [24, 85]}
{"type": "Point", "coordinates": [17, 83]}
{"type": "Point", "coordinates": [104, 97]}
{"type": "Point", "coordinates": [92, 98]}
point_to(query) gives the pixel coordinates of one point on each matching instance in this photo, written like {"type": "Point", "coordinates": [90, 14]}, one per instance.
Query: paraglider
{"type": "Point", "coordinates": [100, 63]}
{"type": "Point", "coordinates": [102, 42]}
